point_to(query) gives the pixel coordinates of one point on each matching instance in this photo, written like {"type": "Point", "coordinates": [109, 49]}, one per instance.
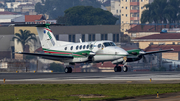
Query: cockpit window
{"type": "Point", "coordinates": [99, 45]}
{"type": "Point", "coordinates": [106, 44]}
{"type": "Point", "coordinates": [112, 44]}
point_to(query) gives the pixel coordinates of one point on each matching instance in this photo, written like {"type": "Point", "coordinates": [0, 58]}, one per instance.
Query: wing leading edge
{"type": "Point", "coordinates": [48, 56]}
{"type": "Point", "coordinates": [153, 52]}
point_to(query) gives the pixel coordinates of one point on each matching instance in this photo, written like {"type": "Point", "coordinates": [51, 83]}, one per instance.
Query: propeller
{"type": "Point", "coordinates": [143, 57]}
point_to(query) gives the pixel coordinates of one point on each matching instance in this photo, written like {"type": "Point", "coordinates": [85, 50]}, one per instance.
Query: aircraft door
{"type": "Point", "coordinates": [94, 47]}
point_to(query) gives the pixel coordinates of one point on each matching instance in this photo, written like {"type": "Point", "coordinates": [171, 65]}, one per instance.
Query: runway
{"type": "Point", "coordinates": [91, 78]}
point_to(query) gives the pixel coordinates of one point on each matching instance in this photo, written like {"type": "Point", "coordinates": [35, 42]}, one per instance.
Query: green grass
{"type": "Point", "coordinates": [63, 92]}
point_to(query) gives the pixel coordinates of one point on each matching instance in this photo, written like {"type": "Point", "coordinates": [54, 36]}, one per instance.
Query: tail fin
{"type": "Point", "coordinates": [46, 36]}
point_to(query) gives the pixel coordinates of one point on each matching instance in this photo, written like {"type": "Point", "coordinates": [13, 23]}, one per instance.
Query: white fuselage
{"type": "Point", "coordinates": [104, 51]}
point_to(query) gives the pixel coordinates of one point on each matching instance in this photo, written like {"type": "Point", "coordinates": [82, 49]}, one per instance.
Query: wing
{"type": "Point", "coordinates": [49, 56]}
{"type": "Point", "coordinates": [153, 52]}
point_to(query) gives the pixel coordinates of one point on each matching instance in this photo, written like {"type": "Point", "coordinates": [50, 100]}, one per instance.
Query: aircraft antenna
{"type": "Point", "coordinates": [80, 40]}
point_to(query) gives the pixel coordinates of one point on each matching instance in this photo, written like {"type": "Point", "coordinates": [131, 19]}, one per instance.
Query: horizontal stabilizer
{"type": "Point", "coordinates": [37, 25]}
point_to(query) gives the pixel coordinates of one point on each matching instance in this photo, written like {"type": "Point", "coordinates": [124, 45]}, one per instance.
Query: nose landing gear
{"type": "Point", "coordinates": [125, 68]}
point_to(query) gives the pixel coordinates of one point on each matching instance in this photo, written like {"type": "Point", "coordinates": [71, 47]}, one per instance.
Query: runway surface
{"type": "Point", "coordinates": [91, 78]}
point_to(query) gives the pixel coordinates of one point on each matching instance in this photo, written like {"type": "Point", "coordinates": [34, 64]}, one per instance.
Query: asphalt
{"type": "Point", "coordinates": [91, 78]}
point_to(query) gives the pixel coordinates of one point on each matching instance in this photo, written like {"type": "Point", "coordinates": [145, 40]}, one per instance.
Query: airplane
{"type": "Point", "coordinates": [85, 52]}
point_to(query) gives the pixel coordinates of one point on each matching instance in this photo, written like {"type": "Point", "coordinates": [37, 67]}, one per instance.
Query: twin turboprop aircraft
{"type": "Point", "coordinates": [85, 52]}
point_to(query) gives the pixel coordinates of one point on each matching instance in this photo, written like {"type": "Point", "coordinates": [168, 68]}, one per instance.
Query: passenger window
{"type": "Point", "coordinates": [71, 47]}
{"type": "Point", "coordinates": [91, 46]}
{"type": "Point", "coordinates": [65, 48]}
{"type": "Point", "coordinates": [77, 47]}
{"type": "Point", "coordinates": [80, 47]}
{"type": "Point", "coordinates": [84, 46]}
{"type": "Point", "coordinates": [87, 47]}
{"type": "Point", "coordinates": [99, 45]}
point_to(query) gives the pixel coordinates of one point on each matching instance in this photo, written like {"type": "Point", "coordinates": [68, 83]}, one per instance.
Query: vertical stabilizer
{"type": "Point", "coordinates": [46, 36]}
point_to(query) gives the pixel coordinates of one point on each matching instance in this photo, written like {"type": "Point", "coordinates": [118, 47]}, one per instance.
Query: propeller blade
{"type": "Point", "coordinates": [144, 59]}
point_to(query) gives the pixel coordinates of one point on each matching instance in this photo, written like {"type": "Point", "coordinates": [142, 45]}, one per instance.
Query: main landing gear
{"type": "Point", "coordinates": [68, 70]}
{"type": "Point", "coordinates": [118, 68]}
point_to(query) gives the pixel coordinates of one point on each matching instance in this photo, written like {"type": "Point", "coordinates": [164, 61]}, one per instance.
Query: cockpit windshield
{"type": "Point", "coordinates": [106, 44]}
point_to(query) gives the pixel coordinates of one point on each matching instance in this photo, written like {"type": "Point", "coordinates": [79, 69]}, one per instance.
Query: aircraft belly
{"type": "Point", "coordinates": [57, 59]}
{"type": "Point", "coordinates": [79, 60]}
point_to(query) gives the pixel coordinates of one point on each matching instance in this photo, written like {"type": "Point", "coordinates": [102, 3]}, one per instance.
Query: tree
{"type": "Point", "coordinates": [24, 37]}
{"type": "Point", "coordinates": [55, 8]}
{"type": "Point", "coordinates": [55, 67]}
{"type": "Point", "coordinates": [87, 15]}
{"type": "Point", "coordinates": [162, 11]}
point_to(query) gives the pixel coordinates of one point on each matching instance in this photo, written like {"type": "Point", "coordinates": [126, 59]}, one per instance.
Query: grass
{"type": "Point", "coordinates": [64, 92]}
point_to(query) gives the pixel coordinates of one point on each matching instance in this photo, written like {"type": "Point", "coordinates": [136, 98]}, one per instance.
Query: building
{"type": "Point", "coordinates": [28, 9]}
{"type": "Point", "coordinates": [170, 60]}
{"type": "Point", "coordinates": [159, 39]}
{"type": "Point", "coordinates": [8, 18]}
{"type": "Point", "coordinates": [137, 31]}
{"type": "Point", "coordinates": [33, 1]}
{"type": "Point", "coordinates": [11, 6]}
{"type": "Point", "coordinates": [88, 33]}
{"type": "Point", "coordinates": [115, 7]}
{"type": "Point", "coordinates": [131, 11]}
{"type": "Point", "coordinates": [11, 19]}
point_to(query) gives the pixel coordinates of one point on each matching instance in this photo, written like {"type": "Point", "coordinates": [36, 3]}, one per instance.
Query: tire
{"type": "Point", "coordinates": [117, 69]}
{"type": "Point", "coordinates": [70, 70]}
{"type": "Point", "coordinates": [66, 70]}
{"type": "Point", "coordinates": [125, 68]}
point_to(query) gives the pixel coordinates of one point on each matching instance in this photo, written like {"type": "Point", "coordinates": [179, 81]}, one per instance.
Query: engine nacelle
{"type": "Point", "coordinates": [119, 61]}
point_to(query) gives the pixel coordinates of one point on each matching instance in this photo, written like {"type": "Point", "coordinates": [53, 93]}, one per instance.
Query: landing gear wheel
{"type": "Point", "coordinates": [125, 68]}
{"type": "Point", "coordinates": [117, 69]}
{"type": "Point", "coordinates": [68, 70]}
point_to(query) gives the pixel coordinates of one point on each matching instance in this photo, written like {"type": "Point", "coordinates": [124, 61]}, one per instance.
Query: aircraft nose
{"type": "Point", "coordinates": [123, 52]}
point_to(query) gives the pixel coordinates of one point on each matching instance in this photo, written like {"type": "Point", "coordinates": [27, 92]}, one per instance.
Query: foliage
{"type": "Point", "coordinates": [87, 15]}
{"type": "Point", "coordinates": [55, 67]}
{"type": "Point", "coordinates": [55, 8]}
{"type": "Point", "coordinates": [158, 69]}
{"type": "Point", "coordinates": [153, 69]}
{"type": "Point", "coordinates": [162, 11]}
{"type": "Point", "coordinates": [162, 69]}
{"type": "Point", "coordinates": [29, 57]}
{"type": "Point", "coordinates": [177, 69]}
{"type": "Point", "coordinates": [68, 92]}
{"type": "Point", "coordinates": [24, 37]}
